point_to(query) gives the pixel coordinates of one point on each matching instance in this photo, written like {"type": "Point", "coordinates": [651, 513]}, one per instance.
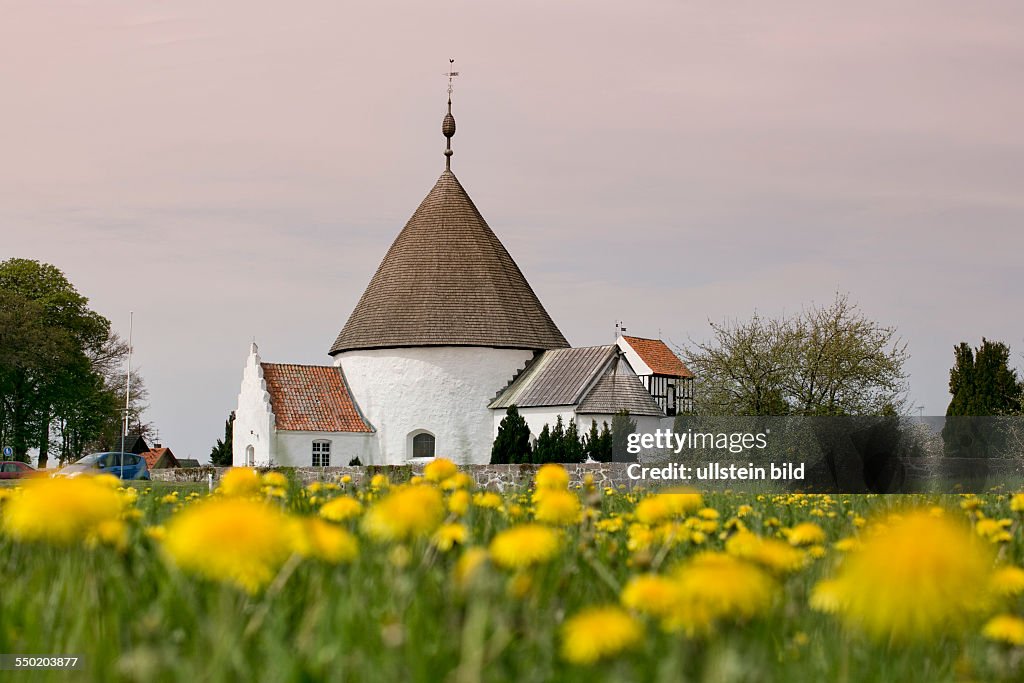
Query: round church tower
{"type": "Point", "coordinates": [444, 325]}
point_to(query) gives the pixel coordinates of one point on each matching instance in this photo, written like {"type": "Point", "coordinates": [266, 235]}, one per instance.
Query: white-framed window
{"type": "Point", "coordinates": [321, 454]}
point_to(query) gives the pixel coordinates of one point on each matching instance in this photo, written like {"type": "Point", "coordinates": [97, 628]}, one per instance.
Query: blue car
{"type": "Point", "coordinates": [121, 465]}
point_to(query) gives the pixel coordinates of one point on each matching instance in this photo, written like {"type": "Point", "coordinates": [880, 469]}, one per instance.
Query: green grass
{"type": "Point", "coordinates": [133, 617]}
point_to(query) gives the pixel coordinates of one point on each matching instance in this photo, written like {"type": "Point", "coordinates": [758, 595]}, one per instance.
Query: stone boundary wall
{"type": "Point", "coordinates": [495, 477]}
{"type": "Point", "coordinates": [928, 474]}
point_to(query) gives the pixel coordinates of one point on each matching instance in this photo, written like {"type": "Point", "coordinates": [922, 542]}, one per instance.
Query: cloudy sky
{"type": "Point", "coordinates": [231, 170]}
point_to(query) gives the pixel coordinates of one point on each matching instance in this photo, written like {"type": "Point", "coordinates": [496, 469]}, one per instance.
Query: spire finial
{"type": "Point", "coordinates": [448, 125]}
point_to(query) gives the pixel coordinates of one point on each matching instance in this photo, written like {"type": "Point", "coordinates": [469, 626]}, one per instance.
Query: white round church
{"type": "Point", "coordinates": [447, 335]}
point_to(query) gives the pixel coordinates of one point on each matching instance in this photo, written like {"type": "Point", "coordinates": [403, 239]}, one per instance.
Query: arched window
{"type": "Point", "coordinates": [423, 445]}
{"type": "Point", "coordinates": [321, 454]}
{"type": "Point", "coordinates": [250, 456]}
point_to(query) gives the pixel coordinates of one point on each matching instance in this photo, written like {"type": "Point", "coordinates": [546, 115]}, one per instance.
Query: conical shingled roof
{"type": "Point", "coordinates": [448, 281]}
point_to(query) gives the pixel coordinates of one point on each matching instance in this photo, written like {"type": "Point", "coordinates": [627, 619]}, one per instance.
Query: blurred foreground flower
{"type": "Point", "coordinates": [671, 504]}
{"type": "Point", "coordinates": [439, 469]}
{"type": "Point", "coordinates": [341, 508]}
{"type": "Point", "coordinates": [321, 540]}
{"type": "Point", "coordinates": [599, 632]}
{"type": "Point", "coordinates": [551, 477]}
{"type": "Point", "coordinates": [408, 512]}
{"type": "Point", "coordinates": [523, 546]}
{"type": "Point", "coordinates": [240, 481]}
{"type": "Point", "coordinates": [915, 575]}
{"type": "Point", "coordinates": [714, 586]}
{"type": "Point", "coordinates": [236, 540]}
{"type": "Point", "coordinates": [1005, 628]}
{"type": "Point", "coordinates": [63, 511]}
{"type": "Point", "coordinates": [557, 507]}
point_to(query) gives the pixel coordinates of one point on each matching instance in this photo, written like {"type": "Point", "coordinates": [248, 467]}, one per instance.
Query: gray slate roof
{"type": "Point", "coordinates": [619, 389]}
{"type": "Point", "coordinates": [448, 281]}
{"type": "Point", "coordinates": [595, 379]}
{"type": "Point", "coordinates": [558, 377]}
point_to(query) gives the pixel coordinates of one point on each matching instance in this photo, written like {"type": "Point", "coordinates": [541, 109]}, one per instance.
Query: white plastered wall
{"type": "Point", "coordinates": [443, 390]}
{"type": "Point", "coordinates": [295, 449]}
{"type": "Point", "coordinates": [254, 418]}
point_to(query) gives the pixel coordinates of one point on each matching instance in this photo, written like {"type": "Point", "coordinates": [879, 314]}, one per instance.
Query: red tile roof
{"type": "Point", "coordinates": [658, 356]}
{"type": "Point", "coordinates": [153, 456]}
{"type": "Point", "coordinates": [312, 398]}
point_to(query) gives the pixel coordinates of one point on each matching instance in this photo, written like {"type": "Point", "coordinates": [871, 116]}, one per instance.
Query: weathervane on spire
{"type": "Point", "coordinates": [448, 125]}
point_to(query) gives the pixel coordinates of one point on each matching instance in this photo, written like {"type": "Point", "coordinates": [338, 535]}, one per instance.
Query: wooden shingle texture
{"type": "Point", "coordinates": [448, 281]}
{"type": "Point", "coordinates": [619, 389]}
{"type": "Point", "coordinates": [311, 398]}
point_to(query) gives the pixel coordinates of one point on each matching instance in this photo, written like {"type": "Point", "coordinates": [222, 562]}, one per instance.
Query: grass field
{"type": "Point", "coordinates": [266, 580]}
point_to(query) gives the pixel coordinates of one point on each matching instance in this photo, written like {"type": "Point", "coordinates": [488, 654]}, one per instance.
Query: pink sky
{"type": "Point", "coordinates": [238, 169]}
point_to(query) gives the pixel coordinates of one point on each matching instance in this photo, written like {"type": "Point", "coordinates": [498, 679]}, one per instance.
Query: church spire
{"type": "Point", "coordinates": [448, 125]}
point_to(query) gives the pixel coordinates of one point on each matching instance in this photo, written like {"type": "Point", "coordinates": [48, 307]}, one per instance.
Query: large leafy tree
{"type": "Point", "coordinates": [830, 360]}
{"type": "Point", "coordinates": [58, 361]}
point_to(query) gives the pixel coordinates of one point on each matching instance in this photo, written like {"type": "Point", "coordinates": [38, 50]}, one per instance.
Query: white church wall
{"type": "Point", "coordinates": [443, 390]}
{"type": "Point", "coordinates": [295, 449]}
{"type": "Point", "coordinates": [254, 420]}
{"type": "Point", "coordinates": [536, 418]}
{"type": "Point", "coordinates": [644, 423]}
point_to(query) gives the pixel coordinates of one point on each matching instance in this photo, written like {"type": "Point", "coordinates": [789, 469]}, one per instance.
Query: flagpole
{"type": "Point", "coordinates": [127, 387]}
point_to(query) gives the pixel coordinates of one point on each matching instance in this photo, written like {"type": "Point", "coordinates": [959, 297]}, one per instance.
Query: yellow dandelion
{"type": "Point", "coordinates": [767, 552]}
{"type": "Point", "coordinates": [1017, 502]}
{"type": "Point", "coordinates": [744, 510]}
{"type": "Point", "coordinates": [487, 499]}
{"type": "Point", "coordinates": [661, 506]}
{"type": "Point", "coordinates": [558, 507]}
{"type": "Point", "coordinates": [806, 533]}
{"type": "Point", "coordinates": [240, 481]}
{"type": "Point", "coordinates": [651, 594]}
{"type": "Point", "coordinates": [611, 525]}
{"type": "Point", "coordinates": [341, 508]}
{"type": "Point", "coordinates": [524, 545]}
{"type": "Point", "coordinates": [346, 479]}
{"type": "Point", "coordinates": [459, 480]}
{"type": "Point", "coordinates": [322, 540]}
{"type": "Point", "coordinates": [598, 633]}
{"type": "Point", "coordinates": [276, 479]}
{"type": "Point", "coordinates": [1007, 582]}
{"type": "Point", "coordinates": [405, 513]}
{"type": "Point", "coordinates": [468, 566]}
{"type": "Point", "coordinates": [994, 530]}
{"type": "Point", "coordinates": [551, 476]}
{"type": "Point", "coordinates": [439, 469]}
{"type": "Point", "coordinates": [1005, 628]}
{"type": "Point", "coordinates": [379, 481]}
{"type": "Point", "coordinates": [458, 502]}
{"type": "Point", "coordinates": [235, 540]}
{"type": "Point", "coordinates": [62, 511]}
{"type": "Point", "coordinates": [170, 498]}
{"type": "Point", "coordinates": [708, 513]}
{"type": "Point", "coordinates": [715, 586]}
{"type": "Point", "coordinates": [924, 573]}
{"type": "Point", "coordinates": [449, 535]}
{"type": "Point", "coordinates": [157, 532]}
